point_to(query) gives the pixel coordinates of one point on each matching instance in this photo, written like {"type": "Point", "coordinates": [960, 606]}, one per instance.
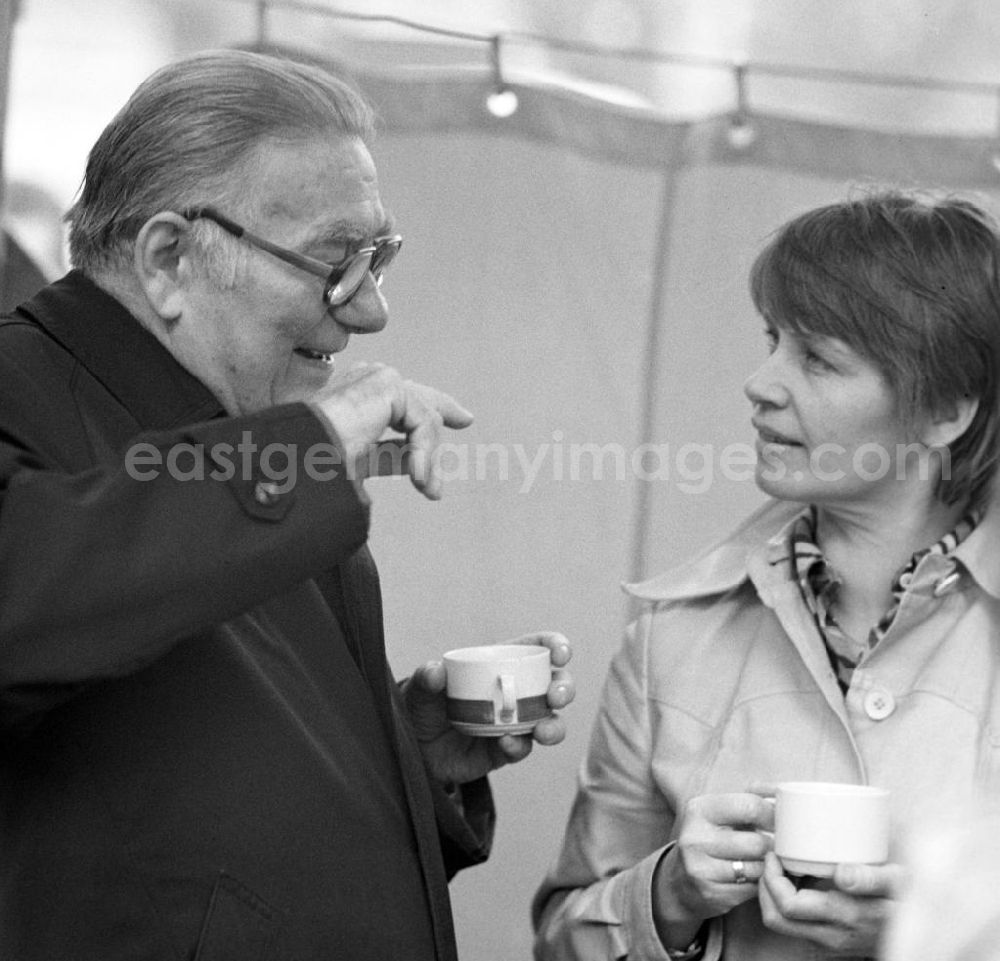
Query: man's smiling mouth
{"type": "Point", "coordinates": [315, 355]}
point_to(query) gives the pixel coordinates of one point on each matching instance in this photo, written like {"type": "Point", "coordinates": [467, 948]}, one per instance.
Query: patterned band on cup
{"type": "Point", "coordinates": [482, 712]}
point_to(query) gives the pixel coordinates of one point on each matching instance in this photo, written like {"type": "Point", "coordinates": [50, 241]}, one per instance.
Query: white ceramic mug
{"type": "Point", "coordinates": [497, 688]}
{"type": "Point", "coordinates": [818, 826]}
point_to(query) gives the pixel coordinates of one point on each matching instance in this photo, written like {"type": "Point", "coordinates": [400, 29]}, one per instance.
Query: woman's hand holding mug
{"type": "Point", "coordinates": [714, 865]}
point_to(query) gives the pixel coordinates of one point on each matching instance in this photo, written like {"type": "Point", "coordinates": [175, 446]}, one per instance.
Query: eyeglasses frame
{"type": "Point", "coordinates": [330, 273]}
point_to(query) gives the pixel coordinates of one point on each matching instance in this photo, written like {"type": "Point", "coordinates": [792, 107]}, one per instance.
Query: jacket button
{"type": "Point", "coordinates": [266, 493]}
{"type": "Point", "coordinates": [879, 704]}
{"type": "Point", "coordinates": [947, 584]}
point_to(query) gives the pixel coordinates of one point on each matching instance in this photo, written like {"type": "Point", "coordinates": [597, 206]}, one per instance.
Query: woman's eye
{"type": "Point", "coordinates": [771, 339]}
{"type": "Point", "coordinates": [817, 361]}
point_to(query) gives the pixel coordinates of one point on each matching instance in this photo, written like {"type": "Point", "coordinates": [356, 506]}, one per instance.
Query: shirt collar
{"type": "Point", "coordinates": [806, 563]}
{"type": "Point", "coordinates": [117, 350]}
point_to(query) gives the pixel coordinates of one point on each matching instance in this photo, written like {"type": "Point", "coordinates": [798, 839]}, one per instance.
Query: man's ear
{"type": "Point", "coordinates": [162, 262]}
{"type": "Point", "coordinates": [945, 427]}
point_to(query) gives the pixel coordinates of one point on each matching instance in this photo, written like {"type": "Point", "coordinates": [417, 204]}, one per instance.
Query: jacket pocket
{"type": "Point", "coordinates": [239, 924]}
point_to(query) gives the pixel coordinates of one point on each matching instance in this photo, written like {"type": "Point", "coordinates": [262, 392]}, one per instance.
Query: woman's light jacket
{"type": "Point", "coordinates": [723, 682]}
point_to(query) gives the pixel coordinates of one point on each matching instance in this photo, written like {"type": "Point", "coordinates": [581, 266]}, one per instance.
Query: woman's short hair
{"type": "Point", "coordinates": [182, 137]}
{"type": "Point", "coordinates": [912, 283]}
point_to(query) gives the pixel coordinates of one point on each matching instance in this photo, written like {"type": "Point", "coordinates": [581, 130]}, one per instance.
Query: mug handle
{"type": "Point", "coordinates": [508, 694]}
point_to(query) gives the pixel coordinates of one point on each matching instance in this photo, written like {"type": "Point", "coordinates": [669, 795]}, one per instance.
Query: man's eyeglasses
{"type": "Point", "coordinates": [342, 280]}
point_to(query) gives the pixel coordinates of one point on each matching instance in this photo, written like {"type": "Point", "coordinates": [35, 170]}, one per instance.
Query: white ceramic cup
{"type": "Point", "coordinates": [818, 826]}
{"type": "Point", "coordinates": [497, 688]}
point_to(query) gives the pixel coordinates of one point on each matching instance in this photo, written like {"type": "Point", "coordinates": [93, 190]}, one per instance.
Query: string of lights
{"type": "Point", "coordinates": [639, 54]}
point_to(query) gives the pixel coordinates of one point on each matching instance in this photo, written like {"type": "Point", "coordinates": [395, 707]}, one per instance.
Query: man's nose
{"type": "Point", "coordinates": [367, 312]}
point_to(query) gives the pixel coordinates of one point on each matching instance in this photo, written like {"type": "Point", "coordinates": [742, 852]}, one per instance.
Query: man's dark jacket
{"type": "Point", "coordinates": [202, 754]}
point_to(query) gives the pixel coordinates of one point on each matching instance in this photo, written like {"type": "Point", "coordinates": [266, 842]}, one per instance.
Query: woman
{"type": "Point", "coordinates": [848, 631]}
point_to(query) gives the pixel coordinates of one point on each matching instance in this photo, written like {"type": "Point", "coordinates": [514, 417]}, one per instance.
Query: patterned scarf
{"type": "Point", "coordinates": [820, 584]}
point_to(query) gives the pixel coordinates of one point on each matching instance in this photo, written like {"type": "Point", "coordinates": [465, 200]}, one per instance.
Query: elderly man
{"type": "Point", "coordinates": [203, 754]}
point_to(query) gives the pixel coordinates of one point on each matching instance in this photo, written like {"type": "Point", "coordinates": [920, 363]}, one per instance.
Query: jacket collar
{"type": "Point", "coordinates": [978, 552]}
{"type": "Point", "coordinates": [724, 565]}
{"type": "Point", "coordinates": [727, 565]}
{"type": "Point", "coordinates": [117, 350]}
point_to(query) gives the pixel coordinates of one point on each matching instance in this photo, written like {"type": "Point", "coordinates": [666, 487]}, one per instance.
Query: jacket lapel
{"type": "Point", "coordinates": [357, 601]}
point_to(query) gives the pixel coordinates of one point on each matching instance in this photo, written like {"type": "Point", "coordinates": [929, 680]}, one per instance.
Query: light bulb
{"type": "Point", "coordinates": [502, 102]}
{"type": "Point", "coordinates": [741, 133]}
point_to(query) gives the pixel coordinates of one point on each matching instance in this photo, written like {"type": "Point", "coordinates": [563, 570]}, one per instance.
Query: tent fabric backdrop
{"type": "Point", "coordinates": [635, 137]}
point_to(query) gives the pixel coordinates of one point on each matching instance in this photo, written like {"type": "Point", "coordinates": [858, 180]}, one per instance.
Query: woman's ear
{"type": "Point", "coordinates": [945, 427]}
{"type": "Point", "coordinates": [162, 257]}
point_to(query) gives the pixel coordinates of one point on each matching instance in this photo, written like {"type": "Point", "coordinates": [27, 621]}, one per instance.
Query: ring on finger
{"type": "Point", "coordinates": [740, 873]}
